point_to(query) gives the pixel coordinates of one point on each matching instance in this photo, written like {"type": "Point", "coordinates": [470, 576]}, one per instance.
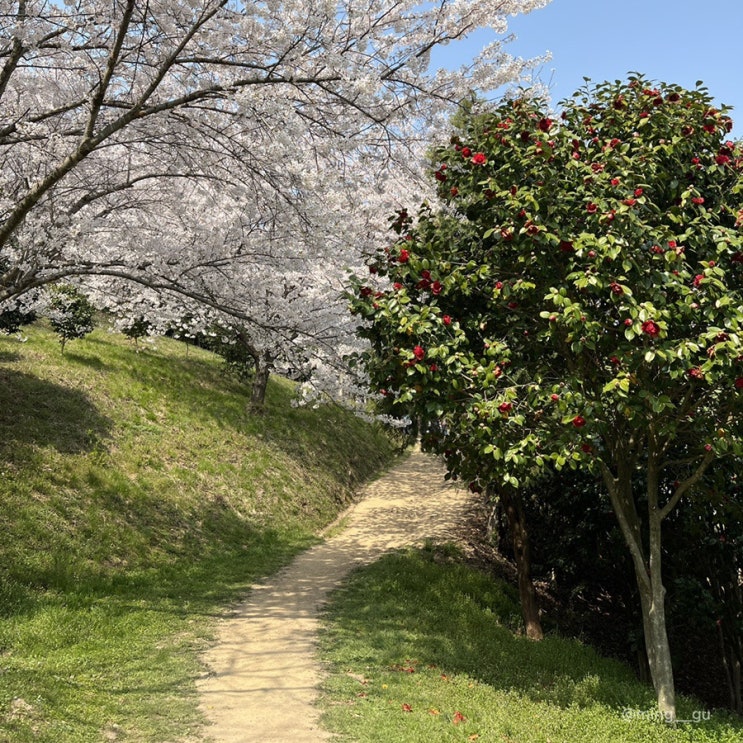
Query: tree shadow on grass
{"type": "Point", "coordinates": [92, 361]}
{"type": "Point", "coordinates": [34, 412]}
{"type": "Point", "coordinates": [6, 357]}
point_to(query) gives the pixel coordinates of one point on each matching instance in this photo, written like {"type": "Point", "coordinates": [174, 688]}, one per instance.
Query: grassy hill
{"type": "Point", "coordinates": [138, 495]}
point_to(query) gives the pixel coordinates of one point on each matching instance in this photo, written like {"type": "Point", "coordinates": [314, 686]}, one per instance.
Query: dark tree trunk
{"type": "Point", "coordinates": [514, 510]}
{"type": "Point", "coordinates": [260, 383]}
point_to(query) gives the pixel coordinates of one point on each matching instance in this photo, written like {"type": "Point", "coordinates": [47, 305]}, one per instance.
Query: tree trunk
{"type": "Point", "coordinates": [260, 383]}
{"type": "Point", "coordinates": [514, 509]}
{"type": "Point", "coordinates": [263, 363]}
{"type": "Point", "coordinates": [652, 599]}
{"type": "Point", "coordinates": [647, 565]}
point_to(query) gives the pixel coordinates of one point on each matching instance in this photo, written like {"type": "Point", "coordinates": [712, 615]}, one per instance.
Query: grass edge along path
{"type": "Point", "coordinates": [139, 497]}
{"type": "Point", "coordinates": [421, 647]}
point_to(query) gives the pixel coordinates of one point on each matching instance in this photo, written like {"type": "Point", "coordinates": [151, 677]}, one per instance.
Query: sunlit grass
{"type": "Point", "coordinates": [422, 648]}
{"type": "Point", "coordinates": [139, 495]}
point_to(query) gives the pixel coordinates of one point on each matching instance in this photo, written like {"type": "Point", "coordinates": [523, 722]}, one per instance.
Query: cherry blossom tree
{"type": "Point", "coordinates": [576, 300]}
{"type": "Point", "coordinates": [103, 106]}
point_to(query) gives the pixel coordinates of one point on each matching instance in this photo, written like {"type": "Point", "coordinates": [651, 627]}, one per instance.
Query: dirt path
{"type": "Point", "coordinates": [263, 669]}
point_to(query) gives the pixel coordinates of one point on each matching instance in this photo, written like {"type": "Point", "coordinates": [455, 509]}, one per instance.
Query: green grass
{"type": "Point", "coordinates": [423, 648]}
{"type": "Point", "coordinates": [139, 496]}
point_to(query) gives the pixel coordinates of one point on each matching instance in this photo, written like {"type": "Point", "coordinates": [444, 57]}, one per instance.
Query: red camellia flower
{"type": "Point", "coordinates": [454, 191]}
{"type": "Point", "coordinates": [722, 159]}
{"type": "Point", "coordinates": [615, 181]}
{"type": "Point", "coordinates": [545, 124]}
{"type": "Point", "coordinates": [397, 285]}
{"type": "Point", "coordinates": [439, 176]}
{"type": "Point", "coordinates": [739, 383]}
{"type": "Point", "coordinates": [628, 321]}
{"type": "Point", "coordinates": [419, 352]}
{"type": "Point", "coordinates": [446, 320]}
{"type": "Point", "coordinates": [614, 360]}
{"type": "Point", "coordinates": [698, 200]}
{"type": "Point", "coordinates": [566, 246]}
{"type": "Point", "coordinates": [591, 208]}
{"type": "Point", "coordinates": [629, 202]}
{"type": "Point", "coordinates": [479, 158]}
{"type": "Point", "coordinates": [433, 368]}
{"type": "Point", "coordinates": [638, 192]}
{"type": "Point", "coordinates": [505, 407]}
{"type": "Point", "coordinates": [365, 291]}
{"type": "Point", "coordinates": [587, 448]}
{"type": "Point", "coordinates": [436, 288]}
{"type": "Point", "coordinates": [696, 373]}
{"type": "Point", "coordinates": [657, 250]}
{"type": "Point", "coordinates": [579, 421]}
{"type": "Point", "coordinates": [554, 397]}
{"type": "Point", "coordinates": [404, 256]}
{"type": "Point", "coordinates": [651, 328]}
{"type": "Point", "coordinates": [616, 288]}
{"type": "Point", "coordinates": [466, 151]}
{"type": "Point", "coordinates": [698, 279]}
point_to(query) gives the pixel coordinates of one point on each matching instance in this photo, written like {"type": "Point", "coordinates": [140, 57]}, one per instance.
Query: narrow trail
{"type": "Point", "coordinates": [264, 671]}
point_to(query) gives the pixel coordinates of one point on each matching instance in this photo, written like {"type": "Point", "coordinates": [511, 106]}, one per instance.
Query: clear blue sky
{"type": "Point", "coordinates": [674, 41]}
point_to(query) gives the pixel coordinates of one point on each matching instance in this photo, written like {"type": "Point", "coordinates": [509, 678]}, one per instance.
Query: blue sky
{"type": "Point", "coordinates": [674, 41]}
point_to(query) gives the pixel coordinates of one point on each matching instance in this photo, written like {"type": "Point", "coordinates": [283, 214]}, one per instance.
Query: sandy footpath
{"type": "Point", "coordinates": [263, 669]}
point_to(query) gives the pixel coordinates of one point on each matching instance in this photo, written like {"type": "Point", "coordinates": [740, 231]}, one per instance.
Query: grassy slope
{"type": "Point", "coordinates": [421, 648]}
{"type": "Point", "coordinates": [138, 496]}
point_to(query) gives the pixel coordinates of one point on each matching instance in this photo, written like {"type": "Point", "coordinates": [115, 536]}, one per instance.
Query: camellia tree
{"type": "Point", "coordinates": [576, 300]}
